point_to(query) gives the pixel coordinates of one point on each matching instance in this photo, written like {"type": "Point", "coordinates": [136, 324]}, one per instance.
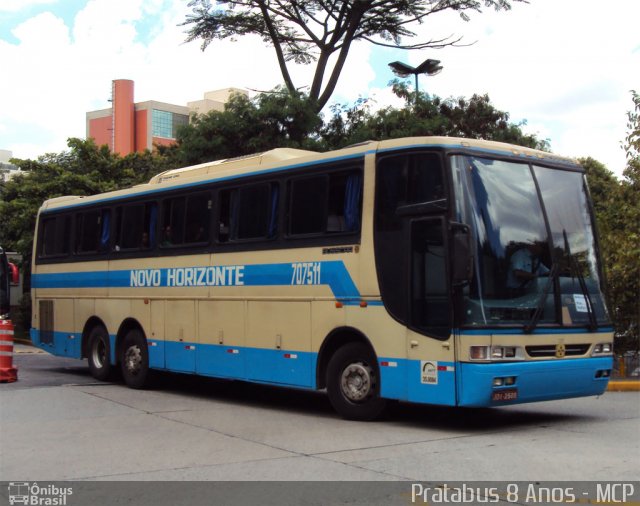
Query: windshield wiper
{"type": "Point", "coordinates": [573, 263]}
{"type": "Point", "coordinates": [535, 319]}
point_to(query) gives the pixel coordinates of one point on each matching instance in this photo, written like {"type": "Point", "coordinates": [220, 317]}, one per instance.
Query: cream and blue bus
{"type": "Point", "coordinates": [432, 270]}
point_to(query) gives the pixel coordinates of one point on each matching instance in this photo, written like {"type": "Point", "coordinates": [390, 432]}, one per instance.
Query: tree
{"type": "Point", "coordinates": [306, 31]}
{"type": "Point", "coordinates": [85, 169]}
{"type": "Point", "coordinates": [617, 207]}
{"type": "Point", "coordinates": [247, 126]}
{"type": "Point", "coordinates": [475, 118]}
{"type": "Point", "coordinates": [272, 120]}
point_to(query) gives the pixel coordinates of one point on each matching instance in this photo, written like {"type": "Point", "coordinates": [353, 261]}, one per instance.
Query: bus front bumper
{"type": "Point", "coordinates": [499, 384]}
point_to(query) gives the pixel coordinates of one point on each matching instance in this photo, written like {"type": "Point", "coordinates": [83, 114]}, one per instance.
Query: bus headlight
{"type": "Point", "coordinates": [496, 353]}
{"type": "Point", "coordinates": [602, 349]}
{"type": "Point", "coordinates": [479, 353]}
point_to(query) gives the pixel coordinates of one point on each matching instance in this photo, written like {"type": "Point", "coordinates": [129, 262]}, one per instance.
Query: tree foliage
{"type": "Point", "coordinates": [247, 126]}
{"type": "Point", "coordinates": [322, 32]}
{"type": "Point", "coordinates": [475, 118]}
{"type": "Point", "coordinates": [85, 169]}
{"type": "Point", "coordinates": [278, 119]}
{"type": "Point", "coordinates": [617, 208]}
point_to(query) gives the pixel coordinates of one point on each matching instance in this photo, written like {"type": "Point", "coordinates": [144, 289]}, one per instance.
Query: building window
{"type": "Point", "coordinates": [165, 123]}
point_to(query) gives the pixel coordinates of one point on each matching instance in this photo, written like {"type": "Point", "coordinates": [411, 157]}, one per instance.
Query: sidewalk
{"type": "Point", "coordinates": [624, 385]}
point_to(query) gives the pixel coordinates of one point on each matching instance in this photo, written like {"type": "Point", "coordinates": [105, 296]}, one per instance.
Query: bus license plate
{"type": "Point", "coordinates": [510, 394]}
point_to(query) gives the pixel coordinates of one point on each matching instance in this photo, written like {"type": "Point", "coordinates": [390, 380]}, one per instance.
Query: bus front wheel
{"type": "Point", "coordinates": [353, 383]}
{"type": "Point", "coordinates": [134, 361]}
{"type": "Point", "coordinates": [99, 353]}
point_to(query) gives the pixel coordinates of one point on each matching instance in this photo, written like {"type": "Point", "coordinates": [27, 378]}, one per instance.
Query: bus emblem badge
{"type": "Point", "coordinates": [560, 350]}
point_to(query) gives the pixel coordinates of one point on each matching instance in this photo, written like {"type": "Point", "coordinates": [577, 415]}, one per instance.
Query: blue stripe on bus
{"type": "Point", "coordinates": [455, 383]}
{"type": "Point", "coordinates": [332, 273]}
{"type": "Point", "coordinates": [64, 344]}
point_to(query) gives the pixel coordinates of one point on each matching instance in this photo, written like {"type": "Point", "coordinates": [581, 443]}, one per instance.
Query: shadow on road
{"type": "Point", "coordinates": [45, 370]}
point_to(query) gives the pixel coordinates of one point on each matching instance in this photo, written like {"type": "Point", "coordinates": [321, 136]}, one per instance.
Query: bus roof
{"type": "Point", "coordinates": [287, 158]}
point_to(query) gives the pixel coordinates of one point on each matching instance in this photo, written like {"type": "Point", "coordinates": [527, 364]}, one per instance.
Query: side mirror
{"type": "Point", "coordinates": [461, 254]}
{"type": "Point", "coordinates": [15, 274]}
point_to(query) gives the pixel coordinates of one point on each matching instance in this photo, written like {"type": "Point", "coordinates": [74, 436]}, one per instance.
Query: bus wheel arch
{"type": "Point", "coordinates": [96, 347]}
{"type": "Point", "coordinates": [337, 338]}
{"type": "Point", "coordinates": [353, 382]}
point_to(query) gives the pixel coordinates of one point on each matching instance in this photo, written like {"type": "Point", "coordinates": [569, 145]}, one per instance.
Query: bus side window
{"type": "Point", "coordinates": [185, 220]}
{"type": "Point", "coordinates": [56, 236]}
{"type": "Point", "coordinates": [197, 216]}
{"type": "Point", "coordinates": [93, 231]}
{"type": "Point", "coordinates": [307, 203]}
{"type": "Point", "coordinates": [135, 227]}
{"type": "Point", "coordinates": [249, 212]}
{"type": "Point", "coordinates": [325, 204]}
{"type": "Point", "coordinates": [345, 202]}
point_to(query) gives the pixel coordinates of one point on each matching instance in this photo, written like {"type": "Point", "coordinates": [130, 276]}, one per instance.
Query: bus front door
{"type": "Point", "coordinates": [430, 347]}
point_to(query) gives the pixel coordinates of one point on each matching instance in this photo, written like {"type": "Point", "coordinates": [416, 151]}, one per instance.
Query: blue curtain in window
{"type": "Point", "coordinates": [153, 225]}
{"type": "Point", "coordinates": [106, 228]}
{"type": "Point", "coordinates": [351, 203]}
{"type": "Point", "coordinates": [273, 217]}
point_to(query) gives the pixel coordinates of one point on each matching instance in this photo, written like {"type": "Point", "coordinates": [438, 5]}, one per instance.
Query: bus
{"type": "Point", "coordinates": [434, 270]}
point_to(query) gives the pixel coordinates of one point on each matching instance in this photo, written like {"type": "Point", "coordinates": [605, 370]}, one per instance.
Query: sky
{"type": "Point", "coordinates": [566, 67]}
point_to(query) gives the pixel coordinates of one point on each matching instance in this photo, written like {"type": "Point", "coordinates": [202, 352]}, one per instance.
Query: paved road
{"type": "Point", "coordinates": [57, 423]}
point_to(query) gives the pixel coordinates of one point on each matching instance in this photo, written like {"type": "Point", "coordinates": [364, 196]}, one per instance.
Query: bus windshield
{"type": "Point", "coordinates": [535, 259]}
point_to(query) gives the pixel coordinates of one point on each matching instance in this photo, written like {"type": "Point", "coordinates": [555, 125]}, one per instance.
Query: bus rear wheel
{"type": "Point", "coordinates": [134, 361]}
{"type": "Point", "coordinates": [99, 353]}
{"type": "Point", "coordinates": [353, 383]}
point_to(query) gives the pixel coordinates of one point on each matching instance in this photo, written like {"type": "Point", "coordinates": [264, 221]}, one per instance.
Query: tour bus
{"type": "Point", "coordinates": [434, 270]}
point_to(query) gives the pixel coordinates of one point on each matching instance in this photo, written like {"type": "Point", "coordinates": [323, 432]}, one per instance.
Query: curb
{"type": "Point", "coordinates": [624, 386]}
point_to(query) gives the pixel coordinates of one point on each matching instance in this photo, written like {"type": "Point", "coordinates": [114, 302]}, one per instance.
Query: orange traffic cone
{"type": "Point", "coordinates": [8, 373]}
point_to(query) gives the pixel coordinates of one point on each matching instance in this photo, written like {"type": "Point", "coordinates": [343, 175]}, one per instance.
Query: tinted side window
{"type": "Point", "coordinates": [56, 236]}
{"type": "Point", "coordinates": [198, 215]}
{"type": "Point", "coordinates": [135, 226]}
{"type": "Point", "coordinates": [250, 212]}
{"type": "Point", "coordinates": [308, 201]}
{"type": "Point", "coordinates": [330, 203]}
{"type": "Point", "coordinates": [185, 220]}
{"type": "Point", "coordinates": [93, 230]}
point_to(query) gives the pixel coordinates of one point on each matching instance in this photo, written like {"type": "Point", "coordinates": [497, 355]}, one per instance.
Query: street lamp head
{"type": "Point", "coordinates": [429, 67]}
{"type": "Point", "coordinates": [402, 69]}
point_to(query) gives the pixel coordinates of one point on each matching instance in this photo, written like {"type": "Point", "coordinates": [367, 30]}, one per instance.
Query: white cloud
{"type": "Point", "coordinates": [21, 5]}
{"type": "Point", "coordinates": [565, 66]}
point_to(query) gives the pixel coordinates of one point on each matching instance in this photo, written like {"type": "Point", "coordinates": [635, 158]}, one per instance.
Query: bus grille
{"type": "Point", "coordinates": [549, 350]}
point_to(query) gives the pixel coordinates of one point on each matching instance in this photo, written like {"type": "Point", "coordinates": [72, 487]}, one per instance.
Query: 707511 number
{"type": "Point", "coordinates": [305, 273]}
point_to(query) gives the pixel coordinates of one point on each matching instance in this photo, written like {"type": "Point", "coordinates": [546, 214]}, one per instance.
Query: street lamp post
{"type": "Point", "coordinates": [429, 67]}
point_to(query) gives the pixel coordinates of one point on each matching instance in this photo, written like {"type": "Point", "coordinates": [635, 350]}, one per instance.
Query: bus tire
{"type": "Point", "coordinates": [99, 353]}
{"type": "Point", "coordinates": [134, 362]}
{"type": "Point", "coordinates": [353, 382]}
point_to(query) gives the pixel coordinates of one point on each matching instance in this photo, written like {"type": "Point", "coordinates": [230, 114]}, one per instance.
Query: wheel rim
{"type": "Point", "coordinates": [356, 382]}
{"type": "Point", "coordinates": [99, 353]}
{"type": "Point", "coordinates": [133, 360]}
